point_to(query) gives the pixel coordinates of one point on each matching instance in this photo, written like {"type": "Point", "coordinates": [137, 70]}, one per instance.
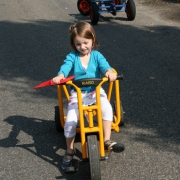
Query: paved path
{"type": "Point", "coordinates": [34, 42]}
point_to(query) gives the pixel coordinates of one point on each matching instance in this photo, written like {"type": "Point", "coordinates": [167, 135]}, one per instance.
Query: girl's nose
{"type": "Point", "coordinates": [82, 46]}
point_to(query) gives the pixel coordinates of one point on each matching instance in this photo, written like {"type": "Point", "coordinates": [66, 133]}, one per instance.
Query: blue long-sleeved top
{"type": "Point", "coordinates": [97, 64]}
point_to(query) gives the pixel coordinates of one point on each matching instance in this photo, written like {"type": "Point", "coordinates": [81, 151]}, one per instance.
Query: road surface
{"type": "Point", "coordinates": [34, 42]}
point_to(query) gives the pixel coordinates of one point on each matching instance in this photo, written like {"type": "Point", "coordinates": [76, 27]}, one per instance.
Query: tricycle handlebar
{"type": "Point", "coordinates": [120, 77]}
{"type": "Point", "coordinates": [92, 81]}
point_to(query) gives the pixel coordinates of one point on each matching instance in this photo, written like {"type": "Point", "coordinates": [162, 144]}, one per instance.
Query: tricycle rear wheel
{"type": "Point", "coordinates": [93, 153]}
{"type": "Point", "coordinates": [57, 119]}
{"type": "Point", "coordinates": [83, 7]}
{"type": "Point", "coordinates": [130, 10]}
{"type": "Point", "coordinates": [122, 116]}
{"type": "Point", "coordinates": [122, 112]}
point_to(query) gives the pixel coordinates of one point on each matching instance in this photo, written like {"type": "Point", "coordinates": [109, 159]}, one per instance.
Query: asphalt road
{"type": "Point", "coordinates": [33, 43]}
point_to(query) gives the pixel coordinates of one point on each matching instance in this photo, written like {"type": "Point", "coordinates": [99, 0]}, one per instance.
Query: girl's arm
{"type": "Point", "coordinates": [65, 68]}
{"type": "Point", "coordinates": [68, 64]}
{"type": "Point", "coordinates": [105, 67]}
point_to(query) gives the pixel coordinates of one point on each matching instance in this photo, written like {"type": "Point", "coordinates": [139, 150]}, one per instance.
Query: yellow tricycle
{"type": "Point", "coordinates": [91, 131]}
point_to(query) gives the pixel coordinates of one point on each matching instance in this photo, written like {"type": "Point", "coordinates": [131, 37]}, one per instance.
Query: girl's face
{"type": "Point", "coordinates": [83, 45]}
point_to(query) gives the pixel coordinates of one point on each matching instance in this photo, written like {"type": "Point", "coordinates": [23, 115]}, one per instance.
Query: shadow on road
{"type": "Point", "coordinates": [46, 142]}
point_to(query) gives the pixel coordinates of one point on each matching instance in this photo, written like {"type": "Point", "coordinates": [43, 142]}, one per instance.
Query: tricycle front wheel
{"type": "Point", "coordinates": [93, 153]}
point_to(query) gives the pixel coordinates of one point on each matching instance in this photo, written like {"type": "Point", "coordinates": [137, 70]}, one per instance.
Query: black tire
{"type": "Point", "coordinates": [94, 14]}
{"type": "Point", "coordinates": [57, 119]}
{"type": "Point", "coordinates": [83, 7]}
{"type": "Point", "coordinates": [93, 153]}
{"type": "Point", "coordinates": [130, 10]}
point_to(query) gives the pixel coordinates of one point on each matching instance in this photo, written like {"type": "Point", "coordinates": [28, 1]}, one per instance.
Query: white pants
{"type": "Point", "coordinates": [73, 117]}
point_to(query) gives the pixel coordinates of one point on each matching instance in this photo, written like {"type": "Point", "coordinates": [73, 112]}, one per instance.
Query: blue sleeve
{"type": "Point", "coordinates": [67, 65]}
{"type": "Point", "coordinates": [103, 64]}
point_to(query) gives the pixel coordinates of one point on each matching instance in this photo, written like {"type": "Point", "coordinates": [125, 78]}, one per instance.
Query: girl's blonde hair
{"type": "Point", "coordinates": [82, 29]}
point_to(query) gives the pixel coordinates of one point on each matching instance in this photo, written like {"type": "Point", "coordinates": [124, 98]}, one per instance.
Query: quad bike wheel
{"type": "Point", "coordinates": [83, 7]}
{"type": "Point", "coordinates": [94, 14]}
{"type": "Point", "coordinates": [93, 153]}
{"type": "Point", "coordinates": [130, 10]}
{"type": "Point", "coordinates": [57, 119]}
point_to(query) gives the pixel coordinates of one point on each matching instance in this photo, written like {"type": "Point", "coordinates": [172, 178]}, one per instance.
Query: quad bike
{"type": "Point", "coordinates": [96, 7]}
{"type": "Point", "coordinates": [91, 131]}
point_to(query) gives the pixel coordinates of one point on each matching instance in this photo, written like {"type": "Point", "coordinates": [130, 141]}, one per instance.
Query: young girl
{"type": "Point", "coordinates": [85, 62]}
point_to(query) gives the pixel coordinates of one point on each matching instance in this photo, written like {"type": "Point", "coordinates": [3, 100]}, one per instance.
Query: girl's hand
{"type": "Point", "coordinates": [58, 78]}
{"type": "Point", "coordinates": [111, 75]}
